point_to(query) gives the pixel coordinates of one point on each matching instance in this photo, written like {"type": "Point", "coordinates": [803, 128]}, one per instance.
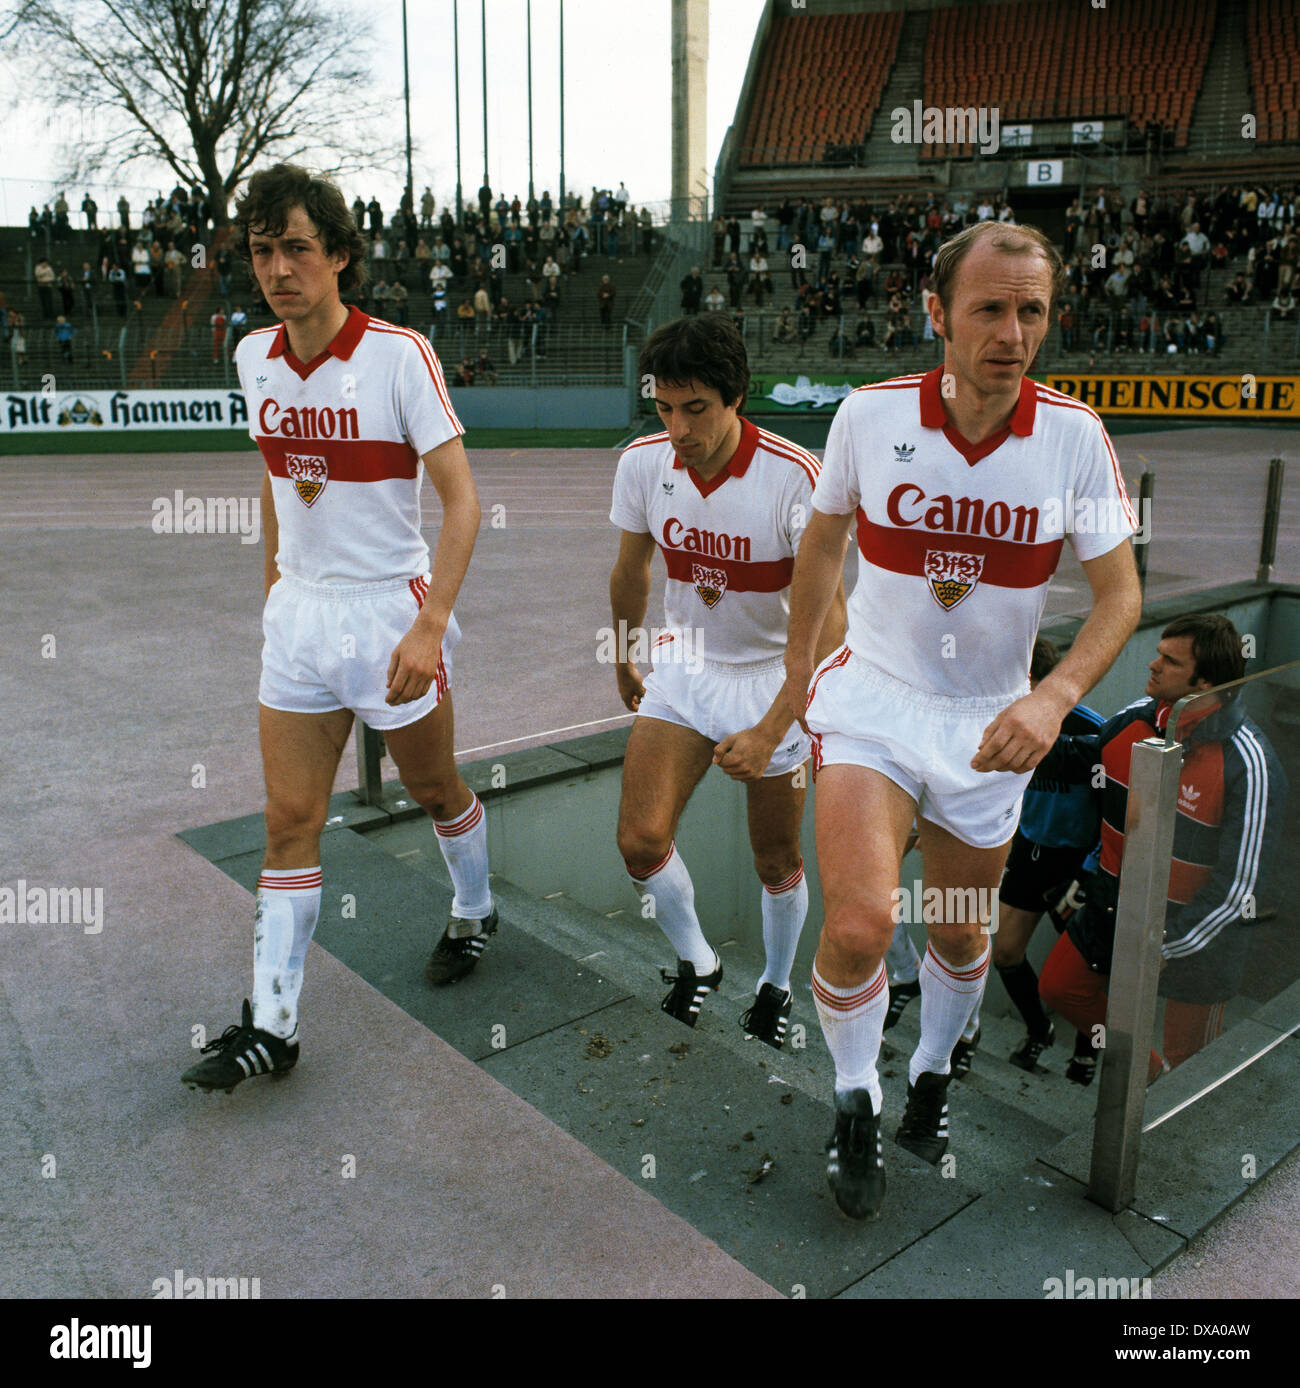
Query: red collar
{"type": "Point", "coordinates": [740, 460]}
{"type": "Point", "coordinates": [342, 346]}
{"type": "Point", "coordinates": [934, 416]}
{"type": "Point", "coordinates": [1188, 719]}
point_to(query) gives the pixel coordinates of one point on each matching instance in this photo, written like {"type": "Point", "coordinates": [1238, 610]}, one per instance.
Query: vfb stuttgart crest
{"type": "Point", "coordinates": [710, 584]}
{"type": "Point", "coordinates": [952, 575]}
{"type": "Point", "coordinates": [308, 475]}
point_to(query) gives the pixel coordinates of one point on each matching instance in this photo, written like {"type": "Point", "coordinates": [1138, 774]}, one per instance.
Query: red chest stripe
{"type": "Point", "coordinates": [348, 460]}
{"type": "Point", "coordinates": [755, 576]}
{"type": "Point", "coordinates": [1007, 564]}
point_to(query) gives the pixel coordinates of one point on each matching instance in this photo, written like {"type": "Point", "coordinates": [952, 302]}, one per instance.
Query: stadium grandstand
{"type": "Point", "coordinates": [1124, 131]}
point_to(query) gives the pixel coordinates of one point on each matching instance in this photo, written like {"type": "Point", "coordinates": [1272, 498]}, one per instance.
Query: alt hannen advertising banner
{"type": "Point", "coordinates": [121, 411]}
{"type": "Point", "coordinates": [1172, 397]}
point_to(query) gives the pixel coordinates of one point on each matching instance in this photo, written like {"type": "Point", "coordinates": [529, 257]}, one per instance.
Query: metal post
{"type": "Point", "coordinates": [530, 100]}
{"type": "Point", "coordinates": [406, 98]}
{"type": "Point", "coordinates": [1272, 508]}
{"type": "Point", "coordinates": [1135, 971]}
{"type": "Point", "coordinates": [370, 753]}
{"type": "Point", "coordinates": [455, 45]}
{"type": "Point", "coordinates": [483, 18]}
{"type": "Point", "coordinates": [561, 112]}
{"type": "Point", "coordinates": [1146, 491]}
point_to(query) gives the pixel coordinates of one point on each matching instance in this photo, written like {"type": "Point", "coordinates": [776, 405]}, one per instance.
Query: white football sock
{"type": "Point", "coordinates": [668, 898]}
{"type": "Point", "coordinates": [901, 959]}
{"type": "Point", "coordinates": [288, 907]}
{"type": "Point", "coordinates": [463, 842]}
{"type": "Point", "coordinates": [785, 907]}
{"type": "Point", "coordinates": [973, 1025]}
{"type": "Point", "coordinates": [949, 994]}
{"type": "Point", "coordinates": [853, 1021]}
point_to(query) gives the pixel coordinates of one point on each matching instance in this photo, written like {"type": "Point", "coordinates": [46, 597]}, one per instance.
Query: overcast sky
{"type": "Point", "coordinates": [617, 109]}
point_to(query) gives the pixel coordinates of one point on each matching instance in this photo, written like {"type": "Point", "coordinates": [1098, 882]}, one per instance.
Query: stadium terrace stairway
{"type": "Point", "coordinates": [726, 1133]}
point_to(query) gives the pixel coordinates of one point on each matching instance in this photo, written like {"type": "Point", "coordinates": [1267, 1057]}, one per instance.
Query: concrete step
{"type": "Point", "coordinates": [905, 84]}
{"type": "Point", "coordinates": [999, 1113]}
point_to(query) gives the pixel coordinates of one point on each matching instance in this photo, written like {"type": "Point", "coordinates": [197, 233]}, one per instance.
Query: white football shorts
{"type": "Point", "coordinates": [861, 716]}
{"type": "Point", "coordinates": [717, 699]}
{"type": "Point", "coordinates": [328, 646]}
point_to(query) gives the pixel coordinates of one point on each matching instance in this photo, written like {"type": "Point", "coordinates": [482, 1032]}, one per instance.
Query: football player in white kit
{"type": "Point", "coordinates": [348, 412]}
{"type": "Point", "coordinates": [961, 484]}
{"type": "Point", "coordinates": [726, 503]}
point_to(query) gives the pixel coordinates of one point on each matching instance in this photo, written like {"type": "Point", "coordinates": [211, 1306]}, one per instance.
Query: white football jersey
{"type": "Point", "coordinates": [729, 543]}
{"type": "Point", "coordinates": [343, 436]}
{"type": "Point", "coordinates": [957, 542]}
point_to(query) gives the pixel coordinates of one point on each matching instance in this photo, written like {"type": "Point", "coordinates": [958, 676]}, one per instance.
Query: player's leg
{"type": "Point", "coordinates": [1032, 871]}
{"type": "Point", "coordinates": [902, 963]}
{"type": "Point", "coordinates": [424, 752]}
{"type": "Point", "coordinates": [662, 766]}
{"type": "Point", "coordinates": [863, 820]}
{"type": "Point", "coordinates": [1015, 929]}
{"type": "Point", "coordinates": [952, 977]}
{"type": "Point", "coordinates": [1076, 992]}
{"type": "Point", "coordinates": [300, 755]}
{"type": "Point", "coordinates": [774, 806]}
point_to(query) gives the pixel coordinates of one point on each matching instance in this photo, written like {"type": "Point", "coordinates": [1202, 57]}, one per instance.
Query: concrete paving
{"type": "Point", "coordinates": [128, 695]}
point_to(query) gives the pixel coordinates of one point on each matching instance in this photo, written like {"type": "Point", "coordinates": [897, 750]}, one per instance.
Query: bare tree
{"type": "Point", "coordinates": [210, 87]}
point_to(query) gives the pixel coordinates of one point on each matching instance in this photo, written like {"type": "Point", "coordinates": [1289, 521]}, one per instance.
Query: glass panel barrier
{"type": "Point", "coordinates": [1205, 973]}
{"type": "Point", "coordinates": [1230, 978]}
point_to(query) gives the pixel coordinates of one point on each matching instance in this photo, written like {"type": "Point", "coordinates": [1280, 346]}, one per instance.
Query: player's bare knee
{"type": "Point", "coordinates": [641, 846]}
{"type": "Point", "coordinates": [857, 933]}
{"type": "Point", "coordinates": [441, 797]}
{"type": "Point", "coordinates": [776, 865]}
{"type": "Point", "coordinates": [289, 821]}
{"type": "Point", "coordinates": [959, 944]}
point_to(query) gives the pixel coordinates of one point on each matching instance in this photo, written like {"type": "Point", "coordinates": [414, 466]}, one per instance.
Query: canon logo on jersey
{"type": "Point", "coordinates": [964, 516]}
{"type": "Point", "coordinates": [677, 536]}
{"type": "Point", "coordinates": [308, 422]}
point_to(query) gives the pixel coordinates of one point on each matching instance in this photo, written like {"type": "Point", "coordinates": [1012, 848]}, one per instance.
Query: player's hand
{"type": "Point", "coordinates": [631, 687]}
{"type": "Point", "coordinates": [1020, 736]}
{"type": "Point", "coordinates": [745, 756]}
{"type": "Point", "coordinates": [414, 663]}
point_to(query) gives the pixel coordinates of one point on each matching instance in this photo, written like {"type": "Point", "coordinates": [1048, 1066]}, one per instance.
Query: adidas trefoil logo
{"type": "Point", "coordinates": [668, 488]}
{"type": "Point", "coordinates": [903, 452]}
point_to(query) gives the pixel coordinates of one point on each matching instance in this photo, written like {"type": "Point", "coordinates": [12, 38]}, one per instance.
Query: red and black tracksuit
{"type": "Point", "coordinates": [1231, 791]}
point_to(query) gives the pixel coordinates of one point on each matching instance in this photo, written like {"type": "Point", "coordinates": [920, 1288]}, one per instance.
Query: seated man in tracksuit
{"type": "Point", "coordinates": [1230, 802]}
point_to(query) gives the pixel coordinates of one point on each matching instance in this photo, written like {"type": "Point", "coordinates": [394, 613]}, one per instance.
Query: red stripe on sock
{"type": "Point", "coordinates": [942, 969]}
{"type": "Point", "coordinates": [469, 820]}
{"type": "Point", "coordinates": [789, 883]}
{"type": "Point", "coordinates": [658, 867]}
{"type": "Point", "coordinates": [298, 882]}
{"type": "Point", "coordinates": [850, 1004]}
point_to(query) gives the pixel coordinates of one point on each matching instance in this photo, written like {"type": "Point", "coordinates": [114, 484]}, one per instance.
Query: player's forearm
{"type": "Point", "coordinates": [817, 571]}
{"type": "Point", "coordinates": [1111, 622]}
{"type": "Point", "coordinates": [460, 524]}
{"type": "Point", "coordinates": [834, 625]}
{"type": "Point", "coordinates": [629, 596]}
{"type": "Point", "coordinates": [270, 533]}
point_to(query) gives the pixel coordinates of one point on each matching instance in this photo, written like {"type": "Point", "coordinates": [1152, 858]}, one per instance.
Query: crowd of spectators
{"type": "Point", "coordinates": [1150, 290]}
{"type": "Point", "coordinates": [1137, 270]}
{"type": "Point", "coordinates": [129, 263]}
{"type": "Point", "coordinates": [463, 262]}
